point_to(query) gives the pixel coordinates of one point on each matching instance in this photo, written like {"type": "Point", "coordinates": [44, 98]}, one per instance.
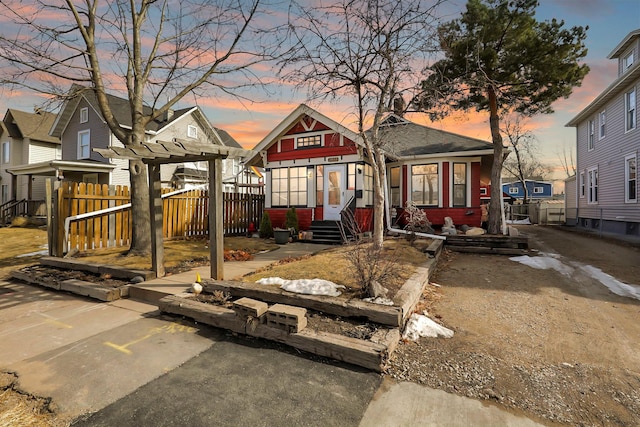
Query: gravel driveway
{"type": "Point", "coordinates": [556, 345]}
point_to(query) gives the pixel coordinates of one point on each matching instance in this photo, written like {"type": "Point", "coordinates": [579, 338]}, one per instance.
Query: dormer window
{"type": "Point", "coordinates": [84, 115]}
{"type": "Point", "coordinates": [308, 141]}
{"type": "Point", "coordinates": [627, 62]}
{"type": "Point", "coordinates": [192, 132]}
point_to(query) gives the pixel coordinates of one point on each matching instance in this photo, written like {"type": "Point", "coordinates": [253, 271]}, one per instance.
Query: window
{"type": "Point", "coordinates": [425, 184]}
{"type": "Point", "coordinates": [459, 184]}
{"type": "Point", "coordinates": [84, 144]}
{"type": "Point", "coordinates": [592, 131]}
{"type": "Point", "coordinates": [368, 185]}
{"type": "Point", "coordinates": [592, 185]}
{"type": "Point", "coordinates": [5, 193]}
{"type": "Point", "coordinates": [538, 190]}
{"type": "Point", "coordinates": [308, 141]}
{"type": "Point", "coordinates": [319, 185]}
{"type": "Point", "coordinates": [192, 131]}
{"type": "Point", "coordinates": [90, 178]}
{"type": "Point", "coordinates": [630, 109]}
{"type": "Point", "coordinates": [483, 191]}
{"type": "Point", "coordinates": [6, 152]}
{"type": "Point", "coordinates": [394, 186]}
{"type": "Point", "coordinates": [582, 192]}
{"type": "Point", "coordinates": [84, 115]}
{"type": "Point", "coordinates": [298, 186]}
{"type": "Point", "coordinates": [351, 176]}
{"type": "Point", "coordinates": [630, 178]}
{"type": "Point", "coordinates": [513, 190]}
{"type": "Point", "coordinates": [289, 187]}
{"type": "Point", "coordinates": [603, 120]}
{"type": "Point", "coordinates": [627, 62]}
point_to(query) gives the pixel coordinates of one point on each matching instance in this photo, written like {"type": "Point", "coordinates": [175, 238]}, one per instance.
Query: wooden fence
{"type": "Point", "coordinates": [95, 216]}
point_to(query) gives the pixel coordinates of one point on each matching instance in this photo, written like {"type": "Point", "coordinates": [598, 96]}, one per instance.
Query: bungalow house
{"type": "Point", "coordinates": [25, 139]}
{"type": "Point", "coordinates": [608, 146]}
{"type": "Point", "coordinates": [319, 166]}
{"type": "Point", "coordinates": [536, 190]}
{"type": "Point", "coordinates": [80, 128]}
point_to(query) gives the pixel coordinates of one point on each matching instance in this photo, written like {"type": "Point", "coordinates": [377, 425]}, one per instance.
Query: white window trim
{"type": "Point", "coordinates": [514, 190]}
{"type": "Point", "coordinates": [591, 134]}
{"type": "Point", "coordinates": [582, 189]}
{"type": "Point", "coordinates": [84, 115]}
{"type": "Point", "coordinates": [192, 131]}
{"type": "Point", "coordinates": [440, 183]}
{"type": "Point", "coordinates": [627, 199]}
{"type": "Point", "coordinates": [602, 122]}
{"type": "Point", "coordinates": [626, 63]}
{"type": "Point", "coordinates": [80, 133]}
{"type": "Point", "coordinates": [538, 190]}
{"type": "Point", "coordinates": [467, 183]}
{"type": "Point", "coordinates": [626, 111]}
{"type": "Point", "coordinates": [590, 186]}
{"type": "Point", "coordinates": [6, 152]}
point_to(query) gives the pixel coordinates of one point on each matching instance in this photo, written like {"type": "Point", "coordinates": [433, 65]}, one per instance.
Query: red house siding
{"type": "Point", "coordinates": [445, 183]}
{"type": "Point", "coordinates": [278, 217]}
{"type": "Point", "coordinates": [475, 184]}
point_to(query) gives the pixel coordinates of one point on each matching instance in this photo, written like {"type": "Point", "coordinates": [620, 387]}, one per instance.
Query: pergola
{"type": "Point", "coordinates": [154, 154]}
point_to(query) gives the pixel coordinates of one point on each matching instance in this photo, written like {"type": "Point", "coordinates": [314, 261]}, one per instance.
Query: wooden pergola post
{"type": "Point", "coordinates": [155, 212]}
{"type": "Point", "coordinates": [216, 229]}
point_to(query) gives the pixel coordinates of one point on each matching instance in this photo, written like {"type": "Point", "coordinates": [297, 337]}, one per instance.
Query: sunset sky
{"type": "Point", "coordinates": [609, 22]}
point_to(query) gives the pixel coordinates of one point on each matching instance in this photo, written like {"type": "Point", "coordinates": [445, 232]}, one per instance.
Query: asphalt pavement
{"type": "Point", "coordinates": [124, 363]}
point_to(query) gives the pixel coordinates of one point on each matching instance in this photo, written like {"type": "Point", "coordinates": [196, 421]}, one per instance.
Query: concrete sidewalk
{"type": "Point", "coordinates": [152, 290]}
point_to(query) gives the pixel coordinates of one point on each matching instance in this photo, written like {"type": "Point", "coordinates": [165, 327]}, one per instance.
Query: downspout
{"type": "Point", "coordinates": [398, 230]}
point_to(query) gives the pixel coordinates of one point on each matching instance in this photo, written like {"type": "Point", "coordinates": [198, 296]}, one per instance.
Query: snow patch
{"type": "Point", "coordinates": [304, 286]}
{"type": "Point", "coordinates": [614, 285]}
{"type": "Point", "coordinates": [544, 263]}
{"type": "Point", "coordinates": [421, 326]}
{"type": "Point", "coordinates": [43, 252]}
{"type": "Point", "coordinates": [525, 221]}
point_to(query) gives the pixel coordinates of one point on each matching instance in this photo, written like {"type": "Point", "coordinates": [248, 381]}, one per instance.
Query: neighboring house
{"type": "Point", "coordinates": [608, 146]}
{"type": "Point", "coordinates": [81, 128]}
{"type": "Point", "coordinates": [536, 190]}
{"type": "Point", "coordinates": [25, 140]}
{"type": "Point", "coordinates": [317, 165]}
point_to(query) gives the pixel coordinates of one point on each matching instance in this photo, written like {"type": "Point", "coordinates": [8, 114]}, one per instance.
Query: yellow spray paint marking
{"type": "Point", "coordinates": [58, 323]}
{"type": "Point", "coordinates": [170, 328]}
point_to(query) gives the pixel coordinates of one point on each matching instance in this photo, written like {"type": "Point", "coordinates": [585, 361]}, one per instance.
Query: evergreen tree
{"type": "Point", "coordinates": [499, 58]}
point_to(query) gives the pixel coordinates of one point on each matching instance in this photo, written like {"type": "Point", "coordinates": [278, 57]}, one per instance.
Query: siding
{"type": "Point", "coordinates": [608, 156]}
{"type": "Point", "coordinates": [42, 152]}
{"type": "Point", "coordinates": [100, 134]}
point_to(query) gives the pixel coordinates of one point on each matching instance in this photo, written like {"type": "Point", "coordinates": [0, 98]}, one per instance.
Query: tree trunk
{"type": "Point", "coordinates": [378, 201]}
{"type": "Point", "coordinates": [140, 225]}
{"type": "Point", "coordinates": [495, 215]}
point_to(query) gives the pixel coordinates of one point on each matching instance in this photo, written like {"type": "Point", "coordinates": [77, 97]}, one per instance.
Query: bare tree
{"type": "Point", "coordinates": [568, 160]}
{"type": "Point", "coordinates": [157, 51]}
{"type": "Point", "coordinates": [523, 161]}
{"type": "Point", "coordinates": [369, 51]}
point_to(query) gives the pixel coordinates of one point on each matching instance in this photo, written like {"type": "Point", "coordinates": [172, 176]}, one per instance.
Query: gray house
{"type": "Point", "coordinates": [608, 146]}
{"type": "Point", "coordinates": [80, 128]}
{"type": "Point", "coordinates": [24, 141]}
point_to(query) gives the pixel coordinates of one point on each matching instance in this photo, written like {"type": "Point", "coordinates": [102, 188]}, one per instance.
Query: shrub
{"type": "Point", "coordinates": [266, 229]}
{"type": "Point", "coordinates": [291, 220]}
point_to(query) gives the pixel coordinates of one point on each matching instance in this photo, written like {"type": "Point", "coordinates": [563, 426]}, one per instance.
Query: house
{"type": "Point", "coordinates": [319, 166]}
{"type": "Point", "coordinates": [608, 142]}
{"type": "Point", "coordinates": [536, 190]}
{"type": "Point", "coordinates": [80, 128]}
{"type": "Point", "coordinates": [25, 139]}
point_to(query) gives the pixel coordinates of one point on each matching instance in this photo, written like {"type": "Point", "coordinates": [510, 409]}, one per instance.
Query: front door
{"type": "Point", "coordinates": [334, 192]}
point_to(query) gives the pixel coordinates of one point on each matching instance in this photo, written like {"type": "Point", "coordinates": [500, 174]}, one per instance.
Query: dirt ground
{"type": "Point", "coordinates": [559, 348]}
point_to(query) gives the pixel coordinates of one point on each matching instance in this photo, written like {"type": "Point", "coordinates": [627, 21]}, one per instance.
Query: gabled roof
{"type": "Point", "coordinates": [120, 108]}
{"type": "Point", "coordinates": [35, 126]}
{"type": "Point", "coordinates": [227, 139]}
{"type": "Point", "coordinates": [624, 44]}
{"type": "Point", "coordinates": [403, 138]}
{"type": "Point", "coordinates": [291, 120]}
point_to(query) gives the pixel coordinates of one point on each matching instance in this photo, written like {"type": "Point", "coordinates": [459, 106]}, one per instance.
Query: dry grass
{"type": "Point", "coordinates": [16, 241]}
{"type": "Point", "coordinates": [333, 265]}
{"type": "Point", "coordinates": [176, 252]}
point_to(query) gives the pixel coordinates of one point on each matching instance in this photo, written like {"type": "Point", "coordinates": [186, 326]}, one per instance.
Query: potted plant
{"type": "Point", "coordinates": [281, 235]}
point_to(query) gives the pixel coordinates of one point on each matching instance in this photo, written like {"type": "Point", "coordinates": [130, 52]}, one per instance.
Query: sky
{"type": "Point", "coordinates": [609, 21]}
